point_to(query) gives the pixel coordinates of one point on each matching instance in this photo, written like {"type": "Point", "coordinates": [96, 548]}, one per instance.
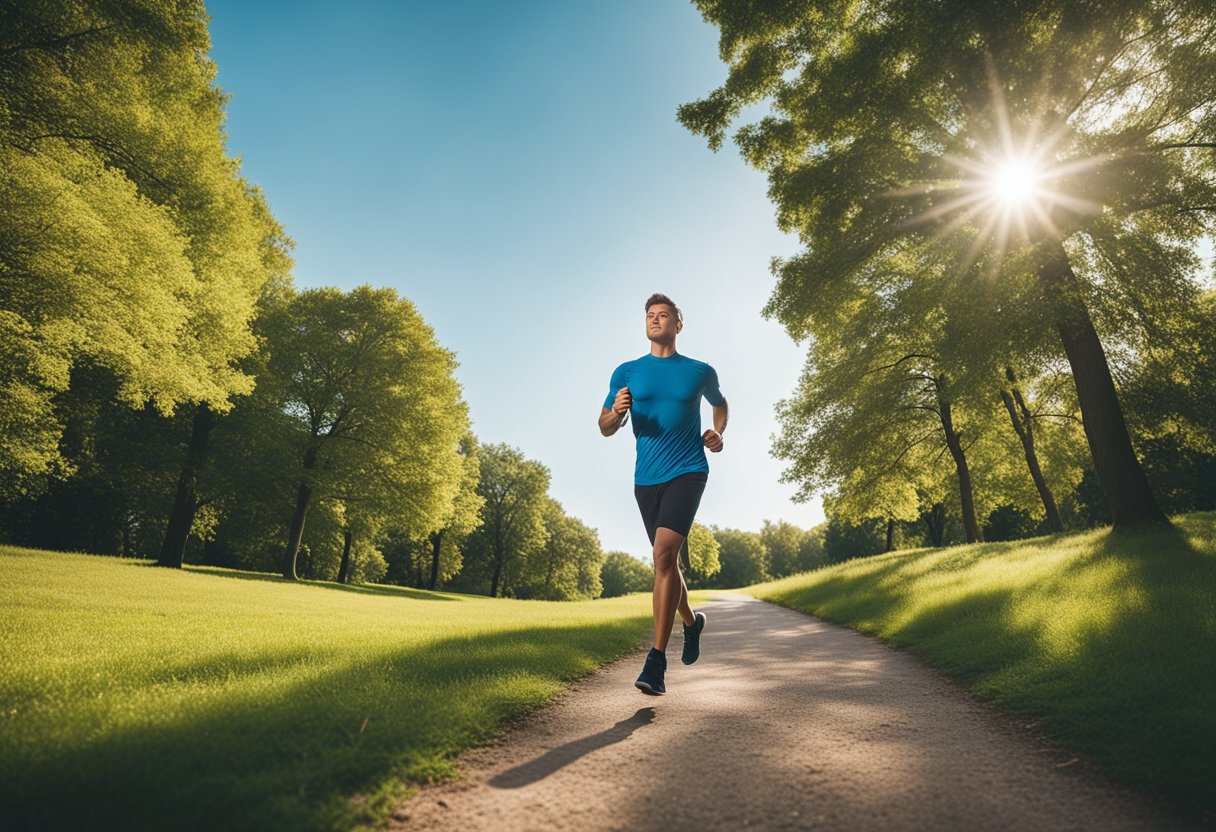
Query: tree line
{"type": "Point", "coordinates": [165, 390]}
{"type": "Point", "coordinates": [978, 366]}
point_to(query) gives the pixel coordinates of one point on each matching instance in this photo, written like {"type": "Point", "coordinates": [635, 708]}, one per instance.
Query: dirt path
{"type": "Point", "coordinates": [786, 723]}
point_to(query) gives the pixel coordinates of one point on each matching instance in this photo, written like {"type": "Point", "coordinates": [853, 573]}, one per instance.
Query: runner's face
{"type": "Point", "coordinates": [661, 323]}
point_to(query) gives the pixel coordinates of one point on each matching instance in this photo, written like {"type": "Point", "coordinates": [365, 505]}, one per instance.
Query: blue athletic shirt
{"type": "Point", "coordinates": [666, 413]}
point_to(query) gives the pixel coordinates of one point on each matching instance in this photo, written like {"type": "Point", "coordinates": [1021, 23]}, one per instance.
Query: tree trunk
{"type": "Point", "coordinates": [344, 569]}
{"type": "Point", "coordinates": [185, 502]}
{"type": "Point", "coordinates": [495, 579]}
{"type": "Point", "coordinates": [436, 543]}
{"type": "Point", "coordinates": [295, 531]}
{"type": "Point", "coordinates": [1119, 473]}
{"type": "Point", "coordinates": [890, 534]}
{"type": "Point", "coordinates": [1019, 414]}
{"type": "Point", "coordinates": [954, 443]}
{"type": "Point", "coordinates": [935, 522]}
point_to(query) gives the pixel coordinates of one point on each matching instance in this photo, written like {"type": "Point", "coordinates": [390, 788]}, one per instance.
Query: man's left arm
{"type": "Point", "coordinates": [713, 438]}
{"type": "Point", "coordinates": [713, 394]}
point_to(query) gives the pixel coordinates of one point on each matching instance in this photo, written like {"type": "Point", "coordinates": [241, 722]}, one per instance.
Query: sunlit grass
{"type": "Point", "coordinates": [1109, 641]}
{"type": "Point", "coordinates": [141, 698]}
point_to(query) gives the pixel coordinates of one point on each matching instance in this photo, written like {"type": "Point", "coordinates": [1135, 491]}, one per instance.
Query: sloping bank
{"type": "Point", "coordinates": [1108, 641]}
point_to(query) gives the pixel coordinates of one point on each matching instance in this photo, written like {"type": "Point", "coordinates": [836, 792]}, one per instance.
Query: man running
{"type": "Point", "coordinates": [663, 390]}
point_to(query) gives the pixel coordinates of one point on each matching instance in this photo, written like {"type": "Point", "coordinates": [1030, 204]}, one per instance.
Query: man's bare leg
{"type": "Point", "coordinates": [670, 591]}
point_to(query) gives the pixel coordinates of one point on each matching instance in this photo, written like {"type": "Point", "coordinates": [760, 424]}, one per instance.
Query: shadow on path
{"type": "Point", "coordinates": [563, 755]}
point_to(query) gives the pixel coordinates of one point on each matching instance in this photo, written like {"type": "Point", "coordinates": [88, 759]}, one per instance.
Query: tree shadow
{"type": "Point", "coordinates": [289, 748]}
{"type": "Point", "coordinates": [563, 755]}
{"type": "Point", "coordinates": [360, 589]}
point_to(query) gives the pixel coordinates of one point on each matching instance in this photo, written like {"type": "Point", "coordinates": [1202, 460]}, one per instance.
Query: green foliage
{"type": "Point", "coordinates": [844, 539]}
{"type": "Point", "coordinates": [463, 519]}
{"type": "Point", "coordinates": [211, 699]}
{"type": "Point", "coordinates": [127, 237]}
{"type": "Point", "coordinates": [513, 531]}
{"type": "Point", "coordinates": [1106, 640]}
{"type": "Point", "coordinates": [622, 574]}
{"type": "Point", "coordinates": [568, 566]}
{"type": "Point", "coordinates": [1171, 402]}
{"type": "Point", "coordinates": [791, 549]}
{"type": "Point", "coordinates": [375, 409]}
{"type": "Point", "coordinates": [882, 123]}
{"type": "Point", "coordinates": [703, 550]}
{"type": "Point", "coordinates": [744, 559]}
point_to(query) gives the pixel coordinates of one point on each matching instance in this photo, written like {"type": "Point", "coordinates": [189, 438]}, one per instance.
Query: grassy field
{"type": "Point", "coordinates": [1108, 641]}
{"type": "Point", "coordinates": [141, 698]}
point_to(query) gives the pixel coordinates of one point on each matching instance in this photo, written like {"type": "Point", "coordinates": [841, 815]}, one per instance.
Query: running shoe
{"type": "Point", "coordinates": [692, 639]}
{"type": "Point", "coordinates": [651, 679]}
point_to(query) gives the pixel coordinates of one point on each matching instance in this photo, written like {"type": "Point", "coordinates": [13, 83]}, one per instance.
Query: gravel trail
{"type": "Point", "coordinates": [786, 722]}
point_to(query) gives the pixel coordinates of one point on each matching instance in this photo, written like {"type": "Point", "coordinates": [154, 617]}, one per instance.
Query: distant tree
{"type": "Point", "coordinates": [1010, 523]}
{"type": "Point", "coordinates": [703, 553]}
{"type": "Point", "coordinates": [884, 135]}
{"type": "Point", "coordinates": [784, 542]}
{"type": "Point", "coordinates": [743, 556]}
{"type": "Point", "coordinates": [622, 574]}
{"type": "Point", "coordinates": [811, 554]}
{"type": "Point", "coordinates": [1023, 423]}
{"type": "Point", "coordinates": [513, 530]}
{"type": "Point", "coordinates": [465, 516]}
{"type": "Point", "coordinates": [376, 411]}
{"type": "Point", "coordinates": [568, 566]}
{"type": "Point", "coordinates": [846, 539]}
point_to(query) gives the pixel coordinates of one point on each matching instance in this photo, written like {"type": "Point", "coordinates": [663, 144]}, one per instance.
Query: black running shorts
{"type": "Point", "coordinates": [672, 504]}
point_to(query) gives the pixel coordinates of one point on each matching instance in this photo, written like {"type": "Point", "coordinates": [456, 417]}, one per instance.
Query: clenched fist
{"type": "Point", "coordinates": [712, 440]}
{"type": "Point", "coordinates": [624, 401]}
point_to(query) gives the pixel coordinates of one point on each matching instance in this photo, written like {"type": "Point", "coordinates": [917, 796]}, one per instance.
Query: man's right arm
{"type": "Point", "coordinates": [611, 418]}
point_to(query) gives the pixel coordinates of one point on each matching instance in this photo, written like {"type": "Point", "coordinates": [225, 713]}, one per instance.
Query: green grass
{"type": "Point", "coordinates": [140, 698]}
{"type": "Point", "coordinates": [1109, 641]}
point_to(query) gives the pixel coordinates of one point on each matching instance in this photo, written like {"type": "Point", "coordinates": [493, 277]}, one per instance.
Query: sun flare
{"type": "Point", "coordinates": [1015, 182]}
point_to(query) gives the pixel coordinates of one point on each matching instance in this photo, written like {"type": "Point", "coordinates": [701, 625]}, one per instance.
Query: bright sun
{"type": "Point", "coordinates": [1014, 182]}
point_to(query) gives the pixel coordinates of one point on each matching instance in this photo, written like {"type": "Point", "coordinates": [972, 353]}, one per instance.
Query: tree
{"type": "Point", "coordinates": [622, 574]}
{"type": "Point", "coordinates": [513, 530]}
{"type": "Point", "coordinates": [1171, 396]}
{"type": "Point", "coordinates": [462, 520]}
{"type": "Point", "coordinates": [885, 133]}
{"type": "Point", "coordinates": [376, 410]}
{"type": "Point", "coordinates": [275, 276]}
{"type": "Point", "coordinates": [743, 556]}
{"type": "Point", "coordinates": [874, 413]}
{"type": "Point", "coordinates": [845, 539]}
{"type": "Point", "coordinates": [811, 553]}
{"type": "Point", "coordinates": [703, 551]}
{"type": "Point", "coordinates": [790, 549]}
{"type": "Point", "coordinates": [568, 566]}
{"type": "Point", "coordinates": [127, 237]}
{"type": "Point", "coordinates": [1023, 424]}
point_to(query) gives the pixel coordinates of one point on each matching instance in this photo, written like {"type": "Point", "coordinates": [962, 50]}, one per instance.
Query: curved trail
{"type": "Point", "coordinates": [786, 722]}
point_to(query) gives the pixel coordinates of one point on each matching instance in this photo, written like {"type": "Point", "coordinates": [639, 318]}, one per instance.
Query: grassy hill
{"type": "Point", "coordinates": [142, 698]}
{"type": "Point", "coordinates": [1108, 641]}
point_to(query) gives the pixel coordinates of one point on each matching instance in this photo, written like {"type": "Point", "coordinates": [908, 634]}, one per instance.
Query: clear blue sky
{"type": "Point", "coordinates": [517, 171]}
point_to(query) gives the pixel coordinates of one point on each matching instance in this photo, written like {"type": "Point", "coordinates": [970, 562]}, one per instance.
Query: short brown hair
{"type": "Point", "coordinates": [659, 297]}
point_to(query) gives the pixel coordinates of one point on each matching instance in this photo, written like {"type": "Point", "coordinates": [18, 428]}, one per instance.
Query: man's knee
{"type": "Point", "coordinates": [665, 558]}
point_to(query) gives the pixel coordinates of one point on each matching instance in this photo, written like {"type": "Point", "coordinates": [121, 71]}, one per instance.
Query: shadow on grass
{"type": "Point", "coordinates": [1128, 679]}
{"type": "Point", "coordinates": [361, 589]}
{"type": "Point", "coordinates": [279, 754]}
